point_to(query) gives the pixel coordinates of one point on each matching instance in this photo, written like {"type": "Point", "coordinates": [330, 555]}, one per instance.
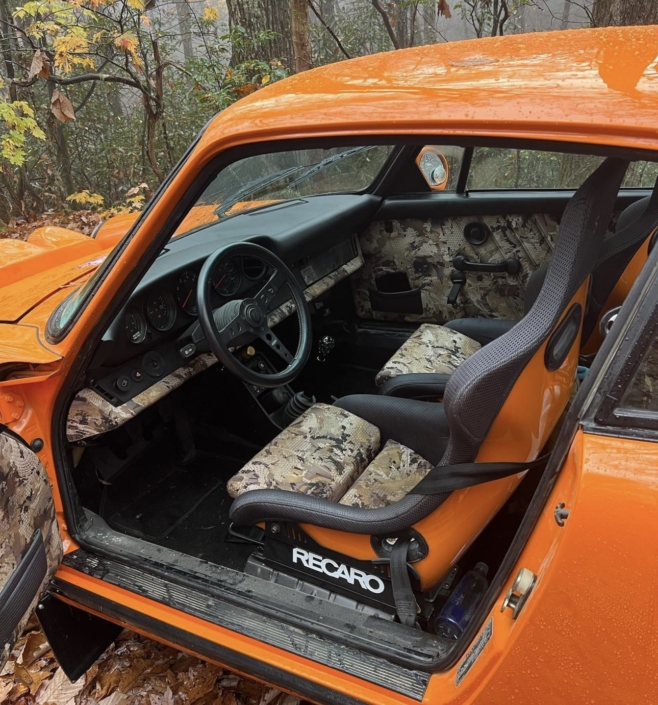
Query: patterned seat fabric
{"type": "Point", "coordinates": [432, 348]}
{"type": "Point", "coordinates": [394, 472]}
{"type": "Point", "coordinates": [321, 453]}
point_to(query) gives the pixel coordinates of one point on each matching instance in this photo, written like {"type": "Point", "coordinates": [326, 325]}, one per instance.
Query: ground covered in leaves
{"type": "Point", "coordinates": [133, 671]}
{"type": "Point", "coordinates": [83, 221]}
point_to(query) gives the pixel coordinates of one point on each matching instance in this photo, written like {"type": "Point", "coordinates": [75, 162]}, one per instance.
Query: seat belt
{"type": "Point", "coordinates": [443, 479]}
{"type": "Point", "coordinates": [449, 478]}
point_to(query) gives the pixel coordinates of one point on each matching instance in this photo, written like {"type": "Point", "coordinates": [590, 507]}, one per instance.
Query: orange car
{"type": "Point", "coordinates": [377, 425]}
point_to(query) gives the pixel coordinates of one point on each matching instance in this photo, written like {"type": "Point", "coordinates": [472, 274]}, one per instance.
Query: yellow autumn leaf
{"type": "Point", "coordinates": [84, 198]}
{"type": "Point", "coordinates": [210, 14]}
{"type": "Point", "coordinates": [265, 80]}
{"type": "Point", "coordinates": [136, 4]}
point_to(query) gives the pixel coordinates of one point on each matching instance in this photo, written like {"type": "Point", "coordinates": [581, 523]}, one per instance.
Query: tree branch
{"type": "Point", "coordinates": [328, 28]}
{"type": "Point", "coordinates": [387, 23]}
{"type": "Point", "coordinates": [82, 79]}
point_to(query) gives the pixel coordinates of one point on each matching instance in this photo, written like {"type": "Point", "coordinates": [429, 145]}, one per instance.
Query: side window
{"type": "Point", "coordinates": [532, 169]}
{"type": "Point", "coordinates": [642, 391]}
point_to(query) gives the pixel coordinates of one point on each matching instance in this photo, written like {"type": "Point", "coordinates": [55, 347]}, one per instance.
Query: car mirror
{"type": "Point", "coordinates": [434, 167]}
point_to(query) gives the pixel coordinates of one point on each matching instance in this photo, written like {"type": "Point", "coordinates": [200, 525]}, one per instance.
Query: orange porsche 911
{"type": "Point", "coordinates": [362, 404]}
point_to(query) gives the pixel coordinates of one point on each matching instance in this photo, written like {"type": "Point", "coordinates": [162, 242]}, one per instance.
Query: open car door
{"type": "Point", "coordinates": [30, 543]}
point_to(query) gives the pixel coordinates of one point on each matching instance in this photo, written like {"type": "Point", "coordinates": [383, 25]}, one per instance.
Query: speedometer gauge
{"type": "Point", "coordinates": [135, 326]}
{"type": "Point", "coordinates": [186, 292]}
{"type": "Point", "coordinates": [161, 310]}
{"type": "Point", "coordinates": [226, 278]}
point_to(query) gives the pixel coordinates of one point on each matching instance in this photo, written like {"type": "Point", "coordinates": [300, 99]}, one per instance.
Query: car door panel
{"type": "Point", "coordinates": [30, 544]}
{"type": "Point", "coordinates": [421, 251]}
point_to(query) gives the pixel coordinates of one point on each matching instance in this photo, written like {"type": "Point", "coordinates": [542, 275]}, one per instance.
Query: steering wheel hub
{"type": "Point", "coordinates": [253, 315]}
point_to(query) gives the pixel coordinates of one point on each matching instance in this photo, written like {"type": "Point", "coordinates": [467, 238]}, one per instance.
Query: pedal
{"type": "Point", "coordinates": [184, 436]}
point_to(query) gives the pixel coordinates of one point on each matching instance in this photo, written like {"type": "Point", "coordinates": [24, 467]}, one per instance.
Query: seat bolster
{"type": "Point", "coordinates": [321, 453]}
{"type": "Point", "coordinates": [482, 330]}
{"type": "Point", "coordinates": [416, 385]}
{"type": "Point", "coordinates": [432, 348]}
{"type": "Point", "coordinates": [394, 472]}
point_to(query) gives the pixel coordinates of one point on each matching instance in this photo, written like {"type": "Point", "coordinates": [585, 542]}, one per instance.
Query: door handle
{"type": "Point", "coordinates": [509, 266]}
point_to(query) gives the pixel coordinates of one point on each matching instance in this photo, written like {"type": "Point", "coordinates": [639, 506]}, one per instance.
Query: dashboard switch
{"type": "Point", "coordinates": [137, 375]}
{"type": "Point", "coordinates": [122, 383]}
{"type": "Point", "coordinates": [188, 350]}
{"type": "Point", "coordinates": [153, 364]}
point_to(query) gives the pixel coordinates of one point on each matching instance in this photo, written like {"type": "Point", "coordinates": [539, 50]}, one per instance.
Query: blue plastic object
{"type": "Point", "coordinates": [461, 605]}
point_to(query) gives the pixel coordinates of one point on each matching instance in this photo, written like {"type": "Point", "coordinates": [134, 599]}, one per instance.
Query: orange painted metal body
{"type": "Point", "coordinates": [588, 631]}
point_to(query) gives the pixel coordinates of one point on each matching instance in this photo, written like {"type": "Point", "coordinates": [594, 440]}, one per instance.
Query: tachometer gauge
{"type": "Point", "coordinates": [186, 292]}
{"type": "Point", "coordinates": [161, 310]}
{"type": "Point", "coordinates": [135, 326]}
{"type": "Point", "coordinates": [226, 278]}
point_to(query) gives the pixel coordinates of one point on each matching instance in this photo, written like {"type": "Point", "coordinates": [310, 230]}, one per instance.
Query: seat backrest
{"type": "Point", "coordinates": [635, 225]}
{"type": "Point", "coordinates": [534, 363]}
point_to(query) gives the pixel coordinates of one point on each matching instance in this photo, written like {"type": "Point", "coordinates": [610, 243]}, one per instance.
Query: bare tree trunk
{"type": "Point", "coordinates": [257, 16]}
{"type": "Point", "coordinates": [301, 38]}
{"type": "Point", "coordinates": [185, 27]}
{"type": "Point", "coordinates": [566, 11]}
{"type": "Point", "coordinates": [606, 13]}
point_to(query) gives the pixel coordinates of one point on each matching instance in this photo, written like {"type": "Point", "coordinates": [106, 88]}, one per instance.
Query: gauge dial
{"type": "Point", "coordinates": [161, 310]}
{"type": "Point", "coordinates": [253, 268]}
{"type": "Point", "coordinates": [135, 327]}
{"type": "Point", "coordinates": [186, 292]}
{"type": "Point", "coordinates": [226, 278]}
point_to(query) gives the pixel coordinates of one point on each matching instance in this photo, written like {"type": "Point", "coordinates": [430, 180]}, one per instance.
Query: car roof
{"type": "Point", "coordinates": [597, 86]}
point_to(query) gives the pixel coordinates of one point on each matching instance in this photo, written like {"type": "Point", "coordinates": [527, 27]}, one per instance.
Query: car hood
{"type": "Point", "coordinates": [32, 270]}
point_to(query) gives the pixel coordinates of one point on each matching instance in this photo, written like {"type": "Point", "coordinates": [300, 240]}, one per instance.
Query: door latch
{"type": "Point", "coordinates": [519, 592]}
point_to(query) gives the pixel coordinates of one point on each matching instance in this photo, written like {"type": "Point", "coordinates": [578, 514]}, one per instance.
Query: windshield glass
{"type": "Point", "coordinates": [265, 179]}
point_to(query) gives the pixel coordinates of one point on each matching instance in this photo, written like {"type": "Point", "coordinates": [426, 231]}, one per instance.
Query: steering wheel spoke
{"type": "Point", "coordinates": [275, 343]}
{"type": "Point", "coordinates": [271, 288]}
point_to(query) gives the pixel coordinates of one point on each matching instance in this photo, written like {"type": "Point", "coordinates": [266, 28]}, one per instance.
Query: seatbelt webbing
{"type": "Point", "coordinates": [448, 478]}
{"type": "Point", "coordinates": [403, 595]}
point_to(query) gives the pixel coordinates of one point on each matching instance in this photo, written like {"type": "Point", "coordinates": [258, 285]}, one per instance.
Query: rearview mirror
{"type": "Point", "coordinates": [434, 167]}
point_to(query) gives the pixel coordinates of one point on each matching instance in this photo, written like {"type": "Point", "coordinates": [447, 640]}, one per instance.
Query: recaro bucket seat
{"type": "Point", "coordinates": [351, 477]}
{"type": "Point", "coordinates": [420, 368]}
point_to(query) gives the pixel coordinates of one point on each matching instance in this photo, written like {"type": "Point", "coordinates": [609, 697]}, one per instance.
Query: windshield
{"type": "Point", "coordinates": [264, 179]}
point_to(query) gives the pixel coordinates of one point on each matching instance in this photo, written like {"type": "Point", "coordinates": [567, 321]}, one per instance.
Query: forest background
{"type": "Point", "coordinates": [100, 98]}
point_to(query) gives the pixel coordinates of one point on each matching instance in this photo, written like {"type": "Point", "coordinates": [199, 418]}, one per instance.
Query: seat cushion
{"type": "Point", "coordinates": [432, 348]}
{"type": "Point", "coordinates": [321, 454]}
{"type": "Point", "coordinates": [394, 472]}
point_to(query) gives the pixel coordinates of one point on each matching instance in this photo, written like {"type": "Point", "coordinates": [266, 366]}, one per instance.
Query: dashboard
{"type": "Point", "coordinates": [146, 343]}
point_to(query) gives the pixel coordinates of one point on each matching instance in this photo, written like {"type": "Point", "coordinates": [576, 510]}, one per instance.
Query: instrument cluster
{"type": "Point", "coordinates": [159, 309]}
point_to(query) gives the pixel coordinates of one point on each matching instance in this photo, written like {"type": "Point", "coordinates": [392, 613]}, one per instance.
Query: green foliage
{"type": "Point", "coordinates": [18, 123]}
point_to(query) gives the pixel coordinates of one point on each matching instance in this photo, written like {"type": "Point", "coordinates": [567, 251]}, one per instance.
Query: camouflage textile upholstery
{"type": "Point", "coordinates": [394, 472]}
{"type": "Point", "coordinates": [320, 454]}
{"type": "Point", "coordinates": [432, 349]}
{"type": "Point", "coordinates": [26, 506]}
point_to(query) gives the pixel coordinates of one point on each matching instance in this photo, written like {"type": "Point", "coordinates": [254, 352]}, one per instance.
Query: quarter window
{"type": "Point", "coordinates": [493, 168]}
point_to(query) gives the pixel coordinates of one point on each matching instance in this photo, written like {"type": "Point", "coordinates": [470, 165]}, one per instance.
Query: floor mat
{"type": "Point", "coordinates": [168, 499]}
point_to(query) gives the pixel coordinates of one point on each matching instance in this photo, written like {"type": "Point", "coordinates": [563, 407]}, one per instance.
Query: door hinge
{"type": "Point", "coordinates": [519, 592]}
{"type": "Point", "coordinates": [12, 407]}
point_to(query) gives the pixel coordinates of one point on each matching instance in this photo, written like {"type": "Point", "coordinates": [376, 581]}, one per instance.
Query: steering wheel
{"type": "Point", "coordinates": [241, 321]}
